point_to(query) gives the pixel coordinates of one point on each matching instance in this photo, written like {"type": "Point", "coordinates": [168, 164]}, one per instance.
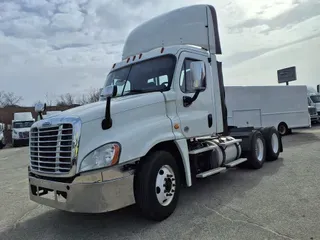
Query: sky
{"type": "Point", "coordinates": [52, 47]}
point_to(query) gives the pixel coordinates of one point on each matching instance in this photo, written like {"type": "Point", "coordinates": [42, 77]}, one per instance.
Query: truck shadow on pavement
{"type": "Point", "coordinates": [211, 193]}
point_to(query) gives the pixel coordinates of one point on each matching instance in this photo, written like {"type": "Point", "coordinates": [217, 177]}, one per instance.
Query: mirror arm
{"type": "Point", "coordinates": [107, 121]}
{"type": "Point", "coordinates": [187, 101]}
{"type": "Point", "coordinates": [40, 115]}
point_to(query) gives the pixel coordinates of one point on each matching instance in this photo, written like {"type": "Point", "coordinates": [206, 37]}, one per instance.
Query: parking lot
{"type": "Point", "coordinates": [279, 201]}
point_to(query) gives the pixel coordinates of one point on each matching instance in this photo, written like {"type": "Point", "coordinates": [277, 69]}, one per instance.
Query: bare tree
{"type": "Point", "coordinates": [9, 99]}
{"type": "Point", "coordinates": [92, 96]}
{"type": "Point", "coordinates": [66, 100]}
{"type": "Point", "coordinates": [48, 99]}
{"type": "Point", "coordinates": [1, 98]}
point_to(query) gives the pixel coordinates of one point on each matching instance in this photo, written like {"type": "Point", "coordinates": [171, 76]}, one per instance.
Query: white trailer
{"type": "Point", "coordinates": [161, 123]}
{"type": "Point", "coordinates": [284, 107]}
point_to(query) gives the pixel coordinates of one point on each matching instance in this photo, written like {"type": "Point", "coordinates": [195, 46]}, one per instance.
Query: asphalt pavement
{"type": "Point", "coordinates": [279, 201]}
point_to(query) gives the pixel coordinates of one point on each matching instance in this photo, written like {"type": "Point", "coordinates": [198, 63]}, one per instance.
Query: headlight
{"type": "Point", "coordinates": [104, 156]}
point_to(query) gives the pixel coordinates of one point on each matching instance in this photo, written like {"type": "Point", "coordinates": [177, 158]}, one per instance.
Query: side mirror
{"type": "Point", "coordinates": [198, 74]}
{"type": "Point", "coordinates": [40, 108]}
{"type": "Point", "coordinates": [108, 92]}
{"type": "Point", "coordinates": [318, 88]}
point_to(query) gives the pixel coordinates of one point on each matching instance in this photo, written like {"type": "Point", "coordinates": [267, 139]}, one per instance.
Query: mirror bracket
{"type": "Point", "coordinates": [187, 101]}
{"type": "Point", "coordinates": [107, 121]}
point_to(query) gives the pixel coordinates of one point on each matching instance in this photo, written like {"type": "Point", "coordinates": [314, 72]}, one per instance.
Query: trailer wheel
{"type": "Point", "coordinates": [273, 142]}
{"type": "Point", "coordinates": [256, 156]}
{"type": "Point", "coordinates": [283, 129]}
{"type": "Point", "coordinates": [157, 185]}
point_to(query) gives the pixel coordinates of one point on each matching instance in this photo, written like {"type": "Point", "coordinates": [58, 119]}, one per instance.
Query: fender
{"type": "Point", "coordinates": [184, 152]}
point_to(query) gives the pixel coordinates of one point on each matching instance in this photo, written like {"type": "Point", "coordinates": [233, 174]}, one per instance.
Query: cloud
{"type": "Point", "coordinates": [61, 46]}
{"type": "Point", "coordinates": [262, 70]}
{"type": "Point", "coordinates": [298, 12]}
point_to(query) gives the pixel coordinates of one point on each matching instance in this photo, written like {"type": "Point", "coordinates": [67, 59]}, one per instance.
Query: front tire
{"type": "Point", "coordinates": [157, 185]}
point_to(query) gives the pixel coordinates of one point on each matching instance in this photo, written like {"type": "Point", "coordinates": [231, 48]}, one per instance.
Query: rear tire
{"type": "Point", "coordinates": [256, 156]}
{"type": "Point", "coordinates": [157, 185]}
{"type": "Point", "coordinates": [283, 129]}
{"type": "Point", "coordinates": [273, 142]}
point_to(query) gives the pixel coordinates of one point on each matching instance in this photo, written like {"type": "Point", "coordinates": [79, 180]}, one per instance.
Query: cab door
{"type": "Point", "coordinates": [197, 119]}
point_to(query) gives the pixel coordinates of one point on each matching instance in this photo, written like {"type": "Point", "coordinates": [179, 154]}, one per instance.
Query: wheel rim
{"type": "Point", "coordinates": [282, 129]}
{"type": "Point", "coordinates": [259, 149]}
{"type": "Point", "coordinates": [165, 185]}
{"type": "Point", "coordinates": [275, 143]}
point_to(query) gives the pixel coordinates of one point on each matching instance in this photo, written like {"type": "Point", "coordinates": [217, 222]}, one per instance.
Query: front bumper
{"type": "Point", "coordinates": [91, 193]}
{"type": "Point", "coordinates": [21, 141]}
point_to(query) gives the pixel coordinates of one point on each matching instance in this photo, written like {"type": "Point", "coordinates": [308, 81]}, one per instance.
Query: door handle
{"type": "Point", "coordinates": [209, 120]}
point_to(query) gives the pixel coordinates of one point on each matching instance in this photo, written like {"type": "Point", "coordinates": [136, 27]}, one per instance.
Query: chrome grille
{"type": "Point", "coordinates": [51, 148]}
{"type": "Point", "coordinates": [312, 111]}
{"type": "Point", "coordinates": [23, 134]}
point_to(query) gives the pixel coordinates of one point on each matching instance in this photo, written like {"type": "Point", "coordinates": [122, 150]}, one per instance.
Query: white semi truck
{"type": "Point", "coordinates": [2, 136]}
{"type": "Point", "coordinates": [21, 123]}
{"type": "Point", "coordinates": [161, 123]}
{"type": "Point", "coordinates": [284, 107]}
{"type": "Point", "coordinates": [314, 99]}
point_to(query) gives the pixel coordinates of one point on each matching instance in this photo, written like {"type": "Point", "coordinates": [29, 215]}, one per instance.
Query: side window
{"type": "Point", "coordinates": [158, 81]}
{"type": "Point", "coordinates": [309, 102]}
{"type": "Point", "coordinates": [185, 77]}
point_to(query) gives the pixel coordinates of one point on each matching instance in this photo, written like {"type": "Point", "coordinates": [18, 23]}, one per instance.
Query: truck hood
{"type": "Point", "coordinates": [96, 110]}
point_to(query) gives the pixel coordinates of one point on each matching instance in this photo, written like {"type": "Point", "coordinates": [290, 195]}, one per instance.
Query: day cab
{"type": "Point", "coordinates": [161, 124]}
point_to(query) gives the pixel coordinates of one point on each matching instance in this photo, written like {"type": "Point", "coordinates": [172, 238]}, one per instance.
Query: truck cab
{"type": "Point", "coordinates": [314, 100]}
{"type": "Point", "coordinates": [2, 135]}
{"type": "Point", "coordinates": [20, 127]}
{"type": "Point", "coordinates": [160, 124]}
{"type": "Point", "coordinates": [312, 108]}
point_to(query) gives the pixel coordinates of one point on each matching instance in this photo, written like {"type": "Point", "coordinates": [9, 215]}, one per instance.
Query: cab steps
{"type": "Point", "coordinates": [211, 172]}
{"type": "Point", "coordinates": [220, 169]}
{"type": "Point", "coordinates": [235, 163]}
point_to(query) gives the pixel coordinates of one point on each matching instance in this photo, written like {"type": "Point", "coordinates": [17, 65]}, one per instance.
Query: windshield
{"type": "Point", "coordinates": [147, 76]}
{"type": "Point", "coordinates": [24, 124]}
{"type": "Point", "coordinates": [315, 99]}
